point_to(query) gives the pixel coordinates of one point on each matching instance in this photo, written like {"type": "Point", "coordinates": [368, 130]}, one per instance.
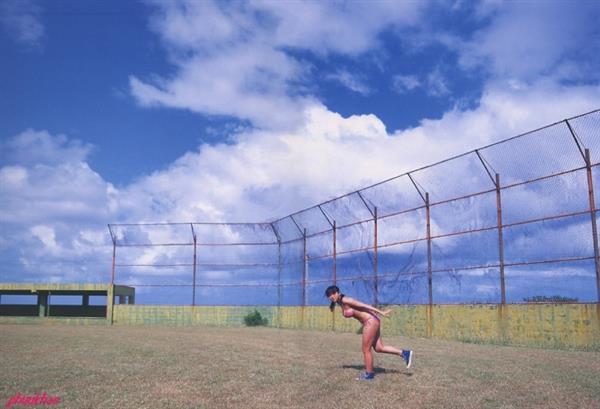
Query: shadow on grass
{"type": "Point", "coordinates": [377, 370]}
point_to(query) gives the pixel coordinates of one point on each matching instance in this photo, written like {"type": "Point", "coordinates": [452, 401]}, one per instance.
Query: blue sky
{"type": "Point", "coordinates": [122, 111]}
{"type": "Point", "coordinates": [73, 78]}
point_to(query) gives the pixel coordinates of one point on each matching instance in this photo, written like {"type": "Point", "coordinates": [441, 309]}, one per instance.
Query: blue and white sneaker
{"type": "Point", "coordinates": [407, 355]}
{"type": "Point", "coordinates": [366, 376]}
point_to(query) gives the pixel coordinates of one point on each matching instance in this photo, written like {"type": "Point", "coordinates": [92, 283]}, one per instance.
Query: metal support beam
{"type": "Point", "coordinates": [275, 232]}
{"type": "Point", "coordinates": [576, 139]}
{"type": "Point", "coordinates": [585, 153]}
{"type": "Point", "coordinates": [194, 266]}
{"type": "Point", "coordinates": [588, 165]}
{"type": "Point", "coordinates": [425, 197]}
{"type": "Point", "coordinates": [279, 267]}
{"type": "Point", "coordinates": [114, 261]}
{"type": "Point", "coordinates": [429, 269]}
{"type": "Point", "coordinates": [325, 215]}
{"type": "Point", "coordinates": [334, 266]}
{"type": "Point", "coordinates": [279, 288]}
{"type": "Point", "coordinates": [114, 255]}
{"type": "Point", "coordinates": [298, 226]}
{"type": "Point", "coordinates": [375, 260]}
{"type": "Point", "coordinates": [417, 187]}
{"type": "Point", "coordinates": [304, 268]}
{"type": "Point", "coordinates": [485, 165]}
{"type": "Point", "coordinates": [304, 274]}
{"type": "Point", "coordinates": [429, 262]}
{"type": "Point", "coordinates": [365, 203]}
{"type": "Point", "coordinates": [500, 240]}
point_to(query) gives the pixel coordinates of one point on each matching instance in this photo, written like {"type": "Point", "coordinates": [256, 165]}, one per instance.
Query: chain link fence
{"type": "Point", "coordinates": [511, 222]}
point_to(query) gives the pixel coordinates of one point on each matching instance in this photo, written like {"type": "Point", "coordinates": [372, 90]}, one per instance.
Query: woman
{"type": "Point", "coordinates": [371, 336]}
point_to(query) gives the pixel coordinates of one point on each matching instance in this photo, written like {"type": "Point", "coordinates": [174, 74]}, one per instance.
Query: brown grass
{"type": "Point", "coordinates": [199, 367]}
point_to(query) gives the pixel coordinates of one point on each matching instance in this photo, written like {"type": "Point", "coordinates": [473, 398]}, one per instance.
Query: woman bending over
{"type": "Point", "coordinates": [371, 334]}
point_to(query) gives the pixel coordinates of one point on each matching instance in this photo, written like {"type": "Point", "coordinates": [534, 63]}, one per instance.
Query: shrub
{"type": "Point", "coordinates": [254, 319]}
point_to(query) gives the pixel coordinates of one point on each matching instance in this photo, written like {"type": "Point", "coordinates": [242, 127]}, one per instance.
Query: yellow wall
{"type": "Point", "coordinates": [53, 321]}
{"type": "Point", "coordinates": [545, 325]}
{"type": "Point", "coordinates": [557, 325]}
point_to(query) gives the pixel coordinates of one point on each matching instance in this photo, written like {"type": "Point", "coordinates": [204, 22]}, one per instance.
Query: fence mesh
{"type": "Point", "coordinates": [511, 222]}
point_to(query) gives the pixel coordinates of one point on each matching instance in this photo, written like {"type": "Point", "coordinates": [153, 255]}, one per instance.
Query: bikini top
{"type": "Point", "coordinates": [348, 312]}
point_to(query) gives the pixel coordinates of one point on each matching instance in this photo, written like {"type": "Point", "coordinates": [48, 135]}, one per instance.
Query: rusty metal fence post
{"type": "Point", "coordinates": [502, 325]}
{"type": "Point", "coordinates": [114, 255]}
{"type": "Point", "coordinates": [429, 268]}
{"type": "Point", "coordinates": [279, 288]}
{"type": "Point", "coordinates": [194, 268]}
{"type": "Point", "coordinates": [110, 297]}
{"type": "Point", "coordinates": [588, 165]}
{"type": "Point", "coordinates": [375, 261]}
{"type": "Point", "coordinates": [279, 267]}
{"type": "Point", "coordinates": [500, 240]}
{"type": "Point", "coordinates": [114, 258]}
{"type": "Point", "coordinates": [334, 268]}
{"type": "Point", "coordinates": [587, 158]}
{"type": "Point", "coordinates": [334, 261]}
{"type": "Point", "coordinates": [304, 266]}
{"type": "Point", "coordinates": [374, 215]}
{"type": "Point", "coordinates": [304, 273]}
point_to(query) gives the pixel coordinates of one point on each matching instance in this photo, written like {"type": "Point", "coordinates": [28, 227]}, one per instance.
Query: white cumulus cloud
{"type": "Point", "coordinates": [236, 60]}
{"type": "Point", "coordinates": [59, 210]}
{"type": "Point", "coordinates": [526, 40]}
{"type": "Point", "coordinates": [21, 20]}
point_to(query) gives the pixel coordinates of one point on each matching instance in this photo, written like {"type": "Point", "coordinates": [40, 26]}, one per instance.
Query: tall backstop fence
{"type": "Point", "coordinates": [499, 244]}
{"type": "Point", "coordinates": [512, 222]}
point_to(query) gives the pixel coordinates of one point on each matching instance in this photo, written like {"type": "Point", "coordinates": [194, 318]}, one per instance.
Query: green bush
{"type": "Point", "coordinates": [254, 319]}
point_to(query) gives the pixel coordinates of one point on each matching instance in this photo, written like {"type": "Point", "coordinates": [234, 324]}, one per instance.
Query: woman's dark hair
{"type": "Point", "coordinates": [332, 289]}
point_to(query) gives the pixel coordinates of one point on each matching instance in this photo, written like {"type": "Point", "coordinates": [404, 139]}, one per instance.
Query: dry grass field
{"type": "Point", "coordinates": [199, 367]}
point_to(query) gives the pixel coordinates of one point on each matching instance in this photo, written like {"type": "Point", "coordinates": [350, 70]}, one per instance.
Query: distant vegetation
{"type": "Point", "coordinates": [551, 299]}
{"type": "Point", "coordinates": [254, 319]}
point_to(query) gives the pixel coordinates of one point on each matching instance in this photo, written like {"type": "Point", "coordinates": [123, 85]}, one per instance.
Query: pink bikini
{"type": "Point", "coordinates": [348, 312]}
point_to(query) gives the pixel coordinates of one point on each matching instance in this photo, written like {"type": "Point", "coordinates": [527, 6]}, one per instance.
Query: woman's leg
{"type": "Point", "coordinates": [370, 336]}
{"type": "Point", "coordinates": [406, 354]}
{"type": "Point", "coordinates": [379, 347]}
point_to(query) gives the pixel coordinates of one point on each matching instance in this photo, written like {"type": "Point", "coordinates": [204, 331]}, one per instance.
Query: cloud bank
{"type": "Point", "coordinates": [57, 207]}
{"type": "Point", "coordinates": [246, 62]}
{"type": "Point", "coordinates": [239, 60]}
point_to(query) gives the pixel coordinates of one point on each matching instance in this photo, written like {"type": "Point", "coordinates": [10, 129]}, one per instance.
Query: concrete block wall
{"type": "Point", "coordinates": [541, 325]}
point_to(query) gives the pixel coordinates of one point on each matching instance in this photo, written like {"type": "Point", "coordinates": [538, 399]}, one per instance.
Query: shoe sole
{"type": "Point", "coordinates": [410, 357]}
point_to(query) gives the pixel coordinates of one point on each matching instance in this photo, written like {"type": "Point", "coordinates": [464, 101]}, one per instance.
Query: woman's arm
{"type": "Point", "coordinates": [360, 305]}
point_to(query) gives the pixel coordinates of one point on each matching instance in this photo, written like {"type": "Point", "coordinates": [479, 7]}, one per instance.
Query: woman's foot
{"type": "Point", "coordinates": [366, 376]}
{"type": "Point", "coordinates": [407, 355]}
